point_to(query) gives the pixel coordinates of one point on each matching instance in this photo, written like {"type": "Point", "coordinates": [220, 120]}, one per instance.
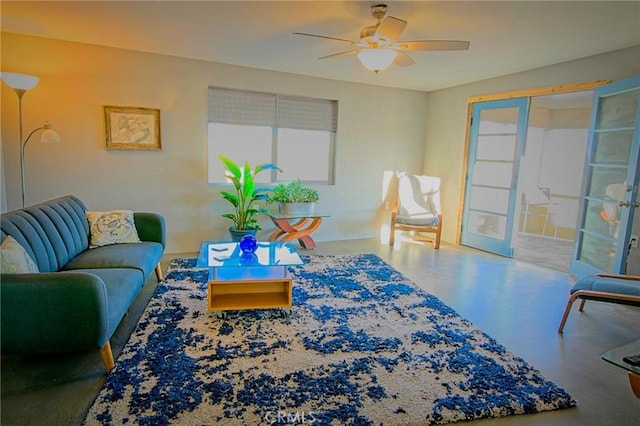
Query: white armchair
{"type": "Point", "coordinates": [417, 207]}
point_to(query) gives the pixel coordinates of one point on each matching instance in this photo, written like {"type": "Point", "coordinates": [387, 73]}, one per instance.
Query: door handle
{"type": "Point", "coordinates": [623, 204]}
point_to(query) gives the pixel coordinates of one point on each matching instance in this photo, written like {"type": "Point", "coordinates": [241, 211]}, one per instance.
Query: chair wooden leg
{"type": "Point", "coordinates": [582, 302]}
{"type": "Point", "coordinates": [436, 243]}
{"type": "Point", "coordinates": [159, 275]}
{"type": "Point", "coordinates": [392, 235]}
{"type": "Point", "coordinates": [566, 313]}
{"type": "Point", "coordinates": [107, 357]}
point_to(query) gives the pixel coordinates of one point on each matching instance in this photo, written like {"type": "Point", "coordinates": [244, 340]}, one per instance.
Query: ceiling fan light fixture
{"type": "Point", "coordinates": [376, 60]}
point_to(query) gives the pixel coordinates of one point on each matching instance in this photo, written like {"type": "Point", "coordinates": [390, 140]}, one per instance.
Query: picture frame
{"type": "Point", "coordinates": [132, 128]}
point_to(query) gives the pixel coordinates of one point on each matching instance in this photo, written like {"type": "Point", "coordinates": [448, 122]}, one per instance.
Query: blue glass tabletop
{"type": "Point", "coordinates": [228, 254]}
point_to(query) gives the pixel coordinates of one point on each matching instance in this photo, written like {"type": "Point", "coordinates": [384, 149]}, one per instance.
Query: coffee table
{"type": "Point", "coordinates": [240, 280]}
{"type": "Point", "coordinates": [615, 357]}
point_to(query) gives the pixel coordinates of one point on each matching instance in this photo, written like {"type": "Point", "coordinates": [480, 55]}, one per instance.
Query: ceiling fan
{"type": "Point", "coordinates": [378, 46]}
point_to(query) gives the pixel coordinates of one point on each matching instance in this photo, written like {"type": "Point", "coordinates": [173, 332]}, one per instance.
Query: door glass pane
{"type": "Point", "coordinates": [493, 174]}
{"type": "Point", "coordinates": [601, 218]}
{"type": "Point", "coordinates": [618, 110]}
{"type": "Point", "coordinates": [501, 120]}
{"type": "Point", "coordinates": [602, 178]}
{"type": "Point", "coordinates": [487, 224]}
{"type": "Point", "coordinates": [496, 147]}
{"type": "Point", "coordinates": [490, 199]}
{"type": "Point", "coordinates": [597, 252]}
{"type": "Point", "coordinates": [613, 147]}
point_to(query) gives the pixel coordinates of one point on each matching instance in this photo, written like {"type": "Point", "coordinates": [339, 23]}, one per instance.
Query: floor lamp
{"type": "Point", "coordinates": [20, 83]}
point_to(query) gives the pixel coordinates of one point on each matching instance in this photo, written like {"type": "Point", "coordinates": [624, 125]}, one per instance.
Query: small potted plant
{"type": "Point", "coordinates": [294, 198]}
{"type": "Point", "coordinates": [244, 196]}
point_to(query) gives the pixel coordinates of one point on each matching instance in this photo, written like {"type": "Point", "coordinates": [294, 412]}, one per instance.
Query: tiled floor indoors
{"type": "Point", "coordinates": [517, 303]}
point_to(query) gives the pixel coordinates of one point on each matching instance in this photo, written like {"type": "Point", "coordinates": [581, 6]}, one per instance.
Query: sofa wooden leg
{"type": "Point", "coordinates": [107, 357]}
{"type": "Point", "coordinates": [159, 275]}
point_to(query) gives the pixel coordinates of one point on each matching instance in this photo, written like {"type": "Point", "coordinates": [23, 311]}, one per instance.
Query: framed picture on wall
{"type": "Point", "coordinates": [132, 128]}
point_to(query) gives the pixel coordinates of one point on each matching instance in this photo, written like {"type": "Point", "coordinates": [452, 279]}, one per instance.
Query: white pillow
{"type": "Point", "coordinates": [14, 259]}
{"type": "Point", "coordinates": [111, 227]}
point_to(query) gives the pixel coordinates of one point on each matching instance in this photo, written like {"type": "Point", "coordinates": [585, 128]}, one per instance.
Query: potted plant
{"type": "Point", "coordinates": [294, 198]}
{"type": "Point", "coordinates": [244, 196]}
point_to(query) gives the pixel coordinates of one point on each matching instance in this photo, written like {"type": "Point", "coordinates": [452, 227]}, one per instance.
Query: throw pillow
{"type": "Point", "coordinates": [111, 227]}
{"type": "Point", "coordinates": [14, 259]}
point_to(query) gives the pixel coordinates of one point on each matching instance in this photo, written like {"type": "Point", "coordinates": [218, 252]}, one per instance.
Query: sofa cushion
{"type": "Point", "coordinates": [142, 256]}
{"type": "Point", "coordinates": [123, 286]}
{"type": "Point", "coordinates": [52, 232]}
{"type": "Point", "coordinates": [14, 259]}
{"type": "Point", "coordinates": [111, 227]}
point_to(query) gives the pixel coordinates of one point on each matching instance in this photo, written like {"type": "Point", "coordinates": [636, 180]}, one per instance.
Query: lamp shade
{"type": "Point", "coordinates": [49, 135]}
{"type": "Point", "coordinates": [376, 59]}
{"type": "Point", "coordinates": [19, 81]}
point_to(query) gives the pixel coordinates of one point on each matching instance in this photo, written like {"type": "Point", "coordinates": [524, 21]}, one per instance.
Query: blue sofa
{"type": "Point", "coordinates": [80, 294]}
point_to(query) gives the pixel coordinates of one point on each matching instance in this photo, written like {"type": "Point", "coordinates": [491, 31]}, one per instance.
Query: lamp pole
{"type": "Point", "coordinates": [22, 145]}
{"type": "Point", "coordinates": [20, 93]}
{"type": "Point", "coordinates": [20, 83]}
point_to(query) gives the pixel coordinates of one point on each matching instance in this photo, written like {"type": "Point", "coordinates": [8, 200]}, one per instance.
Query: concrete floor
{"type": "Point", "coordinates": [517, 303]}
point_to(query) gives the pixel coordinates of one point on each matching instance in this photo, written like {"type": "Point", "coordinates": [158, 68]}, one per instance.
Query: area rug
{"type": "Point", "coordinates": [363, 345]}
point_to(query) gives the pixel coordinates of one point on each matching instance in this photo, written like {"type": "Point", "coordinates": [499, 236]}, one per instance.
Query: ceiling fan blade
{"type": "Point", "coordinates": [391, 27]}
{"type": "Point", "coordinates": [432, 45]}
{"type": "Point", "coordinates": [348, 52]}
{"type": "Point", "coordinates": [330, 38]}
{"type": "Point", "coordinates": [403, 59]}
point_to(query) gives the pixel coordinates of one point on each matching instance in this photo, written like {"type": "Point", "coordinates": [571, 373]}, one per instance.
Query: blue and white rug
{"type": "Point", "coordinates": [363, 346]}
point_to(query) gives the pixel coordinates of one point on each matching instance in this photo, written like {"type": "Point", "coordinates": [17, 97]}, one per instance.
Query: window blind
{"type": "Point", "coordinates": [256, 108]}
{"type": "Point", "coordinates": [241, 107]}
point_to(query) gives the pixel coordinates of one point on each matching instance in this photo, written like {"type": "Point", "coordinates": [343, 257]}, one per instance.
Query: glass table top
{"type": "Point", "coordinates": [296, 216]}
{"type": "Point", "coordinates": [616, 356]}
{"type": "Point", "coordinates": [228, 254]}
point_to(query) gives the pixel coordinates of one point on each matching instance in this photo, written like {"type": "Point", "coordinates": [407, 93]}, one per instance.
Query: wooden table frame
{"type": "Point", "coordinates": [224, 295]}
{"type": "Point", "coordinates": [301, 229]}
{"type": "Point", "coordinates": [239, 281]}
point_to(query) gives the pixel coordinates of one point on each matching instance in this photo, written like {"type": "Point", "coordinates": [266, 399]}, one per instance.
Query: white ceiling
{"type": "Point", "coordinates": [505, 36]}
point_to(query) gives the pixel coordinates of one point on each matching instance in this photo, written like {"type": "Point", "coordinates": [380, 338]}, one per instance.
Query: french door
{"type": "Point", "coordinates": [497, 140]}
{"type": "Point", "coordinates": [610, 183]}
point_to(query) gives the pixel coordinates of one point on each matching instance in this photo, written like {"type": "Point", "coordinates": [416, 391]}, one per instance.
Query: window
{"type": "Point", "coordinates": [298, 134]}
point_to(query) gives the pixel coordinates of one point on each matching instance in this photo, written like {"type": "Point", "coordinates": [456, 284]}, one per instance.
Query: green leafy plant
{"type": "Point", "coordinates": [246, 193]}
{"type": "Point", "coordinates": [293, 192]}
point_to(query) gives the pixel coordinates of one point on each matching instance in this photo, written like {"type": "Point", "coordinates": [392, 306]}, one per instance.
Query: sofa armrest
{"type": "Point", "coordinates": [151, 227]}
{"type": "Point", "coordinates": [53, 312]}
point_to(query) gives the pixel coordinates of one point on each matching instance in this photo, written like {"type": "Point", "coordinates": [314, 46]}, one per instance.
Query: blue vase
{"type": "Point", "coordinates": [248, 259]}
{"type": "Point", "coordinates": [248, 244]}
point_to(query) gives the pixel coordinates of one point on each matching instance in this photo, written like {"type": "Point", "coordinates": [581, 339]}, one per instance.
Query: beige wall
{"type": "Point", "coordinates": [378, 129]}
{"type": "Point", "coordinates": [447, 115]}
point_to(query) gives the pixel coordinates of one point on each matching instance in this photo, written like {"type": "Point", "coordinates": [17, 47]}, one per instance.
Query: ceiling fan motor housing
{"type": "Point", "coordinates": [379, 11]}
